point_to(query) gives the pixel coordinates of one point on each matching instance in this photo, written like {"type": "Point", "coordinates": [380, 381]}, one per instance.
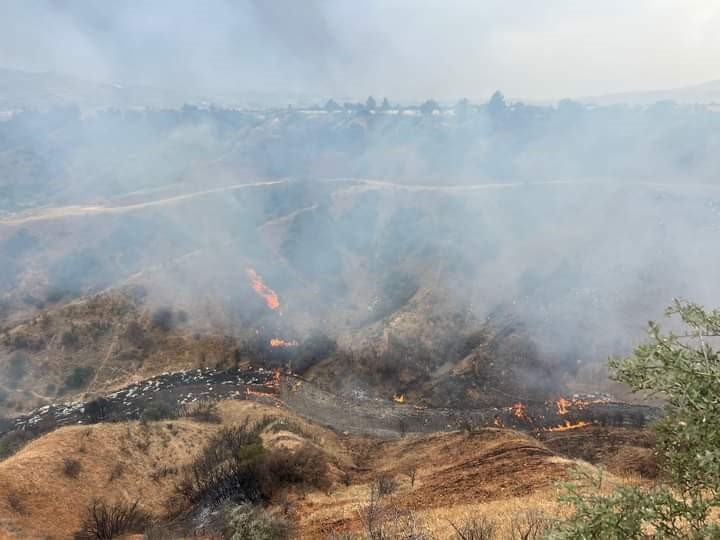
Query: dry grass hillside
{"type": "Point", "coordinates": [436, 479]}
{"type": "Point", "coordinates": [97, 344]}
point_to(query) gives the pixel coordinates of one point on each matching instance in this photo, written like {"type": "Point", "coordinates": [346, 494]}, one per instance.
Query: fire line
{"type": "Point", "coordinates": [270, 296]}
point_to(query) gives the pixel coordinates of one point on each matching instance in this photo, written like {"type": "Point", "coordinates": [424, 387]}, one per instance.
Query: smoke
{"type": "Point", "coordinates": [402, 231]}
{"type": "Point", "coordinates": [404, 49]}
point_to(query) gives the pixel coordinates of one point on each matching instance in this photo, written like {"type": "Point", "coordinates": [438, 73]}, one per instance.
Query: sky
{"type": "Point", "coordinates": [403, 49]}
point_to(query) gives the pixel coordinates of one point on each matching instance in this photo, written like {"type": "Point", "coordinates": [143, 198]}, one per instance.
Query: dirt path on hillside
{"type": "Point", "coordinates": [62, 212]}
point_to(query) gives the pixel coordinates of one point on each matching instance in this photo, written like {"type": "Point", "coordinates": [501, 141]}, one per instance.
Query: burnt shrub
{"type": "Point", "coordinates": [105, 521]}
{"type": "Point", "coordinates": [98, 410]}
{"type": "Point", "coordinates": [228, 468]}
{"type": "Point", "coordinates": [163, 319]}
{"type": "Point", "coordinates": [235, 466]}
{"type": "Point", "coordinates": [78, 377]}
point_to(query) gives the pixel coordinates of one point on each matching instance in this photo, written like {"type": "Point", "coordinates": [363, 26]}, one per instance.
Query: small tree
{"type": "Point", "coordinates": [684, 370]}
{"type": "Point", "coordinates": [429, 106]}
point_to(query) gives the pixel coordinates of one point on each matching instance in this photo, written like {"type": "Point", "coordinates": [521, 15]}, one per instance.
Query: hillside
{"type": "Point", "coordinates": [707, 93]}
{"type": "Point", "coordinates": [455, 474]}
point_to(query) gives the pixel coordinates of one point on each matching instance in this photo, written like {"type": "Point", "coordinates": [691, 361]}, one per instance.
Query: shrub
{"type": "Point", "coordinates": [227, 468]}
{"type": "Point", "coordinates": [98, 409]}
{"type": "Point", "coordinates": [305, 465]}
{"type": "Point", "coordinates": [71, 467]}
{"type": "Point", "coordinates": [158, 411]}
{"type": "Point", "coordinates": [234, 465]}
{"type": "Point", "coordinates": [529, 525]}
{"type": "Point", "coordinates": [248, 522]}
{"type": "Point", "coordinates": [104, 521]}
{"type": "Point", "coordinates": [15, 502]}
{"type": "Point", "coordinates": [17, 367]}
{"type": "Point", "coordinates": [135, 334]}
{"type": "Point", "coordinates": [683, 369]}
{"type": "Point", "coordinates": [477, 528]}
{"type": "Point", "coordinates": [79, 377]}
{"type": "Point", "coordinates": [202, 410]}
{"type": "Point", "coordinates": [386, 484]}
{"type": "Point", "coordinates": [70, 338]}
{"type": "Point", "coordinates": [12, 441]}
{"type": "Point", "coordinates": [163, 319]}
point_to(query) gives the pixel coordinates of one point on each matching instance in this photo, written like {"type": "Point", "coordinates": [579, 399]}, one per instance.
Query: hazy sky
{"type": "Point", "coordinates": [404, 49]}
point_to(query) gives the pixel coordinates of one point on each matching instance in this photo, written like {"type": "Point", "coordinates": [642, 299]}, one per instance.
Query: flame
{"type": "Point", "coordinates": [271, 298]}
{"type": "Point", "coordinates": [399, 398]}
{"type": "Point", "coordinates": [562, 405]}
{"type": "Point", "coordinates": [497, 422]}
{"type": "Point", "coordinates": [569, 425]}
{"type": "Point", "coordinates": [277, 342]}
{"type": "Point", "coordinates": [519, 411]}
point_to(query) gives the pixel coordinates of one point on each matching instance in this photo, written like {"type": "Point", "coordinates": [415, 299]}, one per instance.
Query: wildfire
{"type": "Point", "coordinates": [497, 422]}
{"type": "Point", "coordinates": [399, 398]}
{"type": "Point", "coordinates": [277, 342]}
{"type": "Point", "coordinates": [519, 411]}
{"type": "Point", "coordinates": [562, 405]}
{"type": "Point", "coordinates": [567, 426]}
{"type": "Point", "coordinates": [271, 298]}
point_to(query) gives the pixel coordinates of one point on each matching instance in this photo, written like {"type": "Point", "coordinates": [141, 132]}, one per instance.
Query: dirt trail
{"type": "Point", "coordinates": [61, 212]}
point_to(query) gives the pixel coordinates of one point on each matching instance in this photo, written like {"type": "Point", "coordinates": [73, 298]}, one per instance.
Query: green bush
{"type": "Point", "coordinates": [683, 369]}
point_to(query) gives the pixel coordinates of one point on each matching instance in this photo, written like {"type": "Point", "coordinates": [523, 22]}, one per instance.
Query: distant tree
{"type": "Point", "coordinates": [385, 104]}
{"type": "Point", "coordinates": [463, 107]}
{"type": "Point", "coordinates": [497, 103]}
{"type": "Point", "coordinates": [332, 105]}
{"type": "Point", "coordinates": [429, 106]}
{"type": "Point", "coordinates": [370, 104]}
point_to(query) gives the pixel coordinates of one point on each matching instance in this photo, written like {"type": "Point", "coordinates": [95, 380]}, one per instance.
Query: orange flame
{"type": "Point", "coordinates": [277, 342]}
{"type": "Point", "coordinates": [519, 411]}
{"type": "Point", "coordinates": [497, 422]}
{"type": "Point", "coordinates": [399, 398]}
{"type": "Point", "coordinates": [271, 298]}
{"type": "Point", "coordinates": [568, 426]}
{"type": "Point", "coordinates": [563, 406]}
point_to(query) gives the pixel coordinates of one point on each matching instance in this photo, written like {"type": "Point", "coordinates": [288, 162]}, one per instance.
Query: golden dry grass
{"type": "Point", "coordinates": [493, 472]}
{"type": "Point", "coordinates": [53, 503]}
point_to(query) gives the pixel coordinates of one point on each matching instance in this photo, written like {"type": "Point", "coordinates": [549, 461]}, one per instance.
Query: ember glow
{"type": "Point", "coordinates": [399, 398]}
{"type": "Point", "coordinates": [567, 426]}
{"type": "Point", "coordinates": [277, 342]}
{"type": "Point", "coordinates": [271, 298]}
